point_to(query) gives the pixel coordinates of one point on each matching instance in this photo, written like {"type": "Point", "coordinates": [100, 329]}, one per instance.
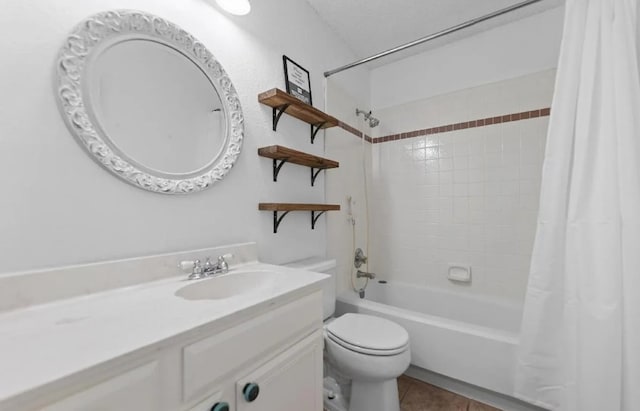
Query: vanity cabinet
{"type": "Point", "coordinates": [137, 389]}
{"type": "Point", "coordinates": [291, 381]}
{"type": "Point", "coordinates": [277, 354]}
{"type": "Point", "coordinates": [271, 360]}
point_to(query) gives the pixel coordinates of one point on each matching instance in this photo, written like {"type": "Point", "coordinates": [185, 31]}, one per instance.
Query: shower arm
{"type": "Point", "coordinates": [433, 36]}
{"type": "Point", "coordinates": [373, 122]}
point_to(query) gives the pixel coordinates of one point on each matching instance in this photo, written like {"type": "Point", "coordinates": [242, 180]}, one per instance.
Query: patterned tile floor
{"type": "Point", "coordinates": [419, 396]}
{"type": "Point", "coordinates": [416, 395]}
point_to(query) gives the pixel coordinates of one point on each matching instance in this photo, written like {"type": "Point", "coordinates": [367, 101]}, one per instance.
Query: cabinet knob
{"type": "Point", "coordinates": [250, 392]}
{"type": "Point", "coordinates": [220, 406]}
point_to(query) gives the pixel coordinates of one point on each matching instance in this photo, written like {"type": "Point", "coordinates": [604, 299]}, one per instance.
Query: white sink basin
{"type": "Point", "coordinates": [230, 285]}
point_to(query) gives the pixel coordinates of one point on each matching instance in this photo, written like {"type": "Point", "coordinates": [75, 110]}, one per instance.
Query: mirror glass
{"type": "Point", "coordinates": [157, 107]}
{"type": "Point", "coordinates": [149, 102]}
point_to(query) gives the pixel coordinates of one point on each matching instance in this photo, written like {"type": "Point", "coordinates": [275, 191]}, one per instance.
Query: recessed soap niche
{"type": "Point", "coordinates": [459, 273]}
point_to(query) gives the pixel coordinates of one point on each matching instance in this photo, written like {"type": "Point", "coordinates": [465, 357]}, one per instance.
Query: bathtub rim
{"type": "Point", "coordinates": [506, 336]}
{"type": "Point", "coordinates": [501, 302]}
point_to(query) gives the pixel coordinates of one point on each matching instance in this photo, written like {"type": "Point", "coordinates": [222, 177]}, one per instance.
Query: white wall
{"type": "Point", "coordinates": [60, 208]}
{"type": "Point", "coordinates": [523, 47]}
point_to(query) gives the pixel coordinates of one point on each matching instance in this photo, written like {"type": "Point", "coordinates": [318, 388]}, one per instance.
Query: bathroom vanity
{"type": "Point", "coordinates": [247, 340]}
{"type": "Point", "coordinates": [138, 334]}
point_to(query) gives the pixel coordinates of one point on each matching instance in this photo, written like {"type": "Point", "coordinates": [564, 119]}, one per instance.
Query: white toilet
{"type": "Point", "coordinates": [371, 351]}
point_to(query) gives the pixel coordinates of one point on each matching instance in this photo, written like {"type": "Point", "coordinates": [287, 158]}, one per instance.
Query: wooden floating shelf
{"type": "Point", "coordinates": [282, 102]}
{"type": "Point", "coordinates": [286, 208]}
{"type": "Point", "coordinates": [281, 155]}
{"type": "Point", "coordinates": [297, 207]}
{"type": "Point", "coordinates": [297, 157]}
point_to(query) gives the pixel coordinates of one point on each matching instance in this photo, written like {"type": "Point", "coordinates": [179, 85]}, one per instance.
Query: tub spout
{"type": "Point", "coordinates": [362, 274]}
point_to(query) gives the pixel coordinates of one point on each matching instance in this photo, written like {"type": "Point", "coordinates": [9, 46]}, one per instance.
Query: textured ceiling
{"type": "Point", "coordinates": [371, 26]}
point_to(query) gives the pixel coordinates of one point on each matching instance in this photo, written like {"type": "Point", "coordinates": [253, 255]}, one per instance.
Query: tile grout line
{"type": "Point", "coordinates": [406, 392]}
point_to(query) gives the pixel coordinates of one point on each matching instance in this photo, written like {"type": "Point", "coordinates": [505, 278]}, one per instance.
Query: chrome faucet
{"type": "Point", "coordinates": [220, 267]}
{"type": "Point", "coordinates": [209, 269]}
{"type": "Point", "coordinates": [360, 259]}
{"type": "Point", "coordinates": [361, 274]}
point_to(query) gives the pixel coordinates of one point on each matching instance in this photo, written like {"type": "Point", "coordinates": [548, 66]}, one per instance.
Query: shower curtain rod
{"type": "Point", "coordinates": [430, 37]}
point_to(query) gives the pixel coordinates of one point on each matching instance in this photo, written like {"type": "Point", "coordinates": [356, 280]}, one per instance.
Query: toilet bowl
{"type": "Point", "coordinates": [370, 351]}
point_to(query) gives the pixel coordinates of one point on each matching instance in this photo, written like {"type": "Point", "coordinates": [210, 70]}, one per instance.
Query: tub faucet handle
{"type": "Point", "coordinates": [359, 258]}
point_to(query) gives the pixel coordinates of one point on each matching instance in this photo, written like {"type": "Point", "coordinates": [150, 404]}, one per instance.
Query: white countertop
{"type": "Point", "coordinates": [45, 343]}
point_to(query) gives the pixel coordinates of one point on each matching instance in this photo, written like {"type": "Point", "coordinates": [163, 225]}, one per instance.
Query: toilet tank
{"type": "Point", "coordinates": [324, 266]}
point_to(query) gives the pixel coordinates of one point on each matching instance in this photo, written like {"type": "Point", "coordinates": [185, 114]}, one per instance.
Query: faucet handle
{"type": "Point", "coordinates": [222, 262]}
{"type": "Point", "coordinates": [197, 267]}
{"type": "Point", "coordinates": [194, 268]}
{"type": "Point", "coordinates": [359, 258]}
{"type": "Point", "coordinates": [223, 258]}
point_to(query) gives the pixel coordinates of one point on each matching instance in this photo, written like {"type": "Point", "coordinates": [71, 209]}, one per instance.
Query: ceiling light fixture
{"type": "Point", "coordinates": [237, 7]}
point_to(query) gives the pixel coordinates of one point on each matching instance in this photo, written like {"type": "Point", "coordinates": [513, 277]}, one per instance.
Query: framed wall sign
{"type": "Point", "coordinates": [297, 80]}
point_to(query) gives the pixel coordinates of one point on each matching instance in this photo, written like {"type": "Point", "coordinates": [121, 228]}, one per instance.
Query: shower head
{"type": "Point", "coordinates": [365, 113]}
{"type": "Point", "coordinates": [373, 122]}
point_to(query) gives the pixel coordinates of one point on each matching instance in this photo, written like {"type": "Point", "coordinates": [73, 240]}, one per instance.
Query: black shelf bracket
{"type": "Point", "coordinates": [277, 220]}
{"type": "Point", "coordinates": [277, 112]}
{"type": "Point", "coordinates": [315, 129]}
{"type": "Point", "coordinates": [276, 168]}
{"type": "Point", "coordinates": [314, 175]}
{"type": "Point", "coordinates": [314, 218]}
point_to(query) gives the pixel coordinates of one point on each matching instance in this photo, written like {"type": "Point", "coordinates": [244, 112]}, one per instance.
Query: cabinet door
{"type": "Point", "coordinates": [137, 389]}
{"type": "Point", "coordinates": [290, 382]}
{"type": "Point", "coordinates": [210, 361]}
{"type": "Point", "coordinates": [219, 398]}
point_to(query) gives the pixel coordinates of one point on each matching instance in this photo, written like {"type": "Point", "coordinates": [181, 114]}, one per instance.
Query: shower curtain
{"type": "Point", "coordinates": [580, 337]}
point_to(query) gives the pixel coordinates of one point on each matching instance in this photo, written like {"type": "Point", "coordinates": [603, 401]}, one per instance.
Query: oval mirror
{"type": "Point", "coordinates": [149, 102]}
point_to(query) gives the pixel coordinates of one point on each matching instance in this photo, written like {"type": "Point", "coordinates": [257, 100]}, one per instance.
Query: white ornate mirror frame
{"type": "Point", "coordinates": [109, 27]}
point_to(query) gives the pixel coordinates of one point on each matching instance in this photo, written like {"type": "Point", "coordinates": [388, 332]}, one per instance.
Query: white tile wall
{"type": "Point", "coordinates": [466, 196]}
{"type": "Point", "coordinates": [508, 96]}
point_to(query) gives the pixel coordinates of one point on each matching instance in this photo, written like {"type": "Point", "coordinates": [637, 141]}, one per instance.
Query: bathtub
{"type": "Point", "coordinates": [463, 337]}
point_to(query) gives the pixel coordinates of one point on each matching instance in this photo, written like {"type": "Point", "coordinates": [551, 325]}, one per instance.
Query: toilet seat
{"type": "Point", "coordinates": [367, 351]}
{"type": "Point", "coordinates": [366, 334]}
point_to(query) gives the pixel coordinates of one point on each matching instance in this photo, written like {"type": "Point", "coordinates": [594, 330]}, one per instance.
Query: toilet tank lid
{"type": "Point", "coordinates": [317, 264]}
